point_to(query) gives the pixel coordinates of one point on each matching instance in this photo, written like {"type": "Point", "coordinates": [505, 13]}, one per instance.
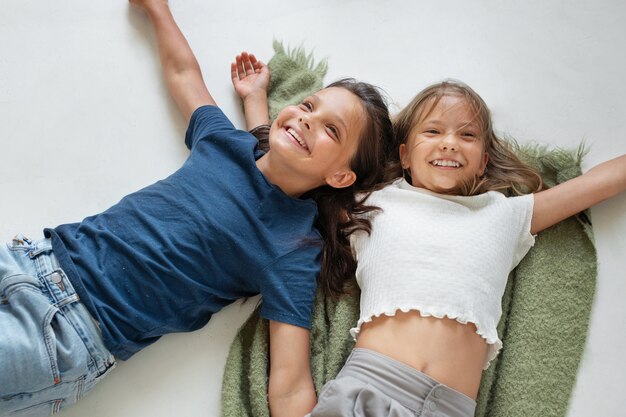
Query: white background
{"type": "Point", "coordinates": [85, 119]}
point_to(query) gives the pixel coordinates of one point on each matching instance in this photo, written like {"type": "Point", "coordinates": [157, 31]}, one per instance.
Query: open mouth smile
{"type": "Point", "coordinates": [297, 139]}
{"type": "Point", "coordinates": [446, 163]}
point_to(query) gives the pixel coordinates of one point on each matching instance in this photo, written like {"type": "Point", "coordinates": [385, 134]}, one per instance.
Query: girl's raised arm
{"type": "Point", "coordinates": [180, 68]}
{"type": "Point", "coordinates": [598, 184]}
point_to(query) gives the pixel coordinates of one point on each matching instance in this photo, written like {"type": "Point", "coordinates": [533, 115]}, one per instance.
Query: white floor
{"type": "Point", "coordinates": [85, 119]}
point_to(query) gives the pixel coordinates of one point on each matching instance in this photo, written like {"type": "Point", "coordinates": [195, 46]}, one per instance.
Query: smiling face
{"type": "Point", "coordinates": [314, 142]}
{"type": "Point", "coordinates": [445, 150]}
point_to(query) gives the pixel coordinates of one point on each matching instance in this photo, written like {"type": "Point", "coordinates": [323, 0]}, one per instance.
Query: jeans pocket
{"type": "Point", "coordinates": [40, 348]}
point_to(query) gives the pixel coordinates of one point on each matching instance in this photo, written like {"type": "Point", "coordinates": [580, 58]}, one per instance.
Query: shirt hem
{"type": "Point", "coordinates": [493, 341]}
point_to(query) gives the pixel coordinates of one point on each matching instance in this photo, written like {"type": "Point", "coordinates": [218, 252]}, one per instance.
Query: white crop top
{"type": "Point", "coordinates": [442, 255]}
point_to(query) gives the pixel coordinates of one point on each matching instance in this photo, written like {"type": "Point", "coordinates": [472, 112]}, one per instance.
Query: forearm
{"type": "Point", "coordinates": [603, 181]}
{"type": "Point", "coordinates": [181, 70]}
{"type": "Point", "coordinates": [256, 112]}
{"type": "Point", "coordinates": [609, 178]}
{"type": "Point", "coordinates": [291, 392]}
{"type": "Point", "coordinates": [174, 51]}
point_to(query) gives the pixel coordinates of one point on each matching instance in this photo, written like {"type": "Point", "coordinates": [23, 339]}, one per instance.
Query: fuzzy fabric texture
{"type": "Point", "coordinates": [294, 76]}
{"type": "Point", "coordinates": [546, 305]}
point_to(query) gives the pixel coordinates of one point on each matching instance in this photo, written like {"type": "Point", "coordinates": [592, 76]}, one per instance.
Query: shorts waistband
{"type": "Point", "coordinates": [407, 385]}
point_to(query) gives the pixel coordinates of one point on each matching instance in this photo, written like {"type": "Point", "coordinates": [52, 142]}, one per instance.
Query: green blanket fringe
{"type": "Point", "coordinates": [294, 76]}
{"type": "Point", "coordinates": [546, 305]}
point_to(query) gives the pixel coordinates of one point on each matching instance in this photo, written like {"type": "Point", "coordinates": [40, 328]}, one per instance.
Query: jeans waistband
{"type": "Point", "coordinates": [54, 281]}
{"type": "Point", "coordinates": [51, 276]}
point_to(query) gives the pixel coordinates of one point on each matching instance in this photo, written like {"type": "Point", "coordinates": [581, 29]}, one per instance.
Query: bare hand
{"type": "Point", "coordinates": [249, 76]}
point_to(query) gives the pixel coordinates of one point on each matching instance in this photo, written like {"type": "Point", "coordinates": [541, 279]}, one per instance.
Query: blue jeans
{"type": "Point", "coordinates": [51, 350]}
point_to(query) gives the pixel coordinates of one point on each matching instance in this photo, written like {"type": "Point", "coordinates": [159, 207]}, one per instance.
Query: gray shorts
{"type": "Point", "coordinates": [374, 385]}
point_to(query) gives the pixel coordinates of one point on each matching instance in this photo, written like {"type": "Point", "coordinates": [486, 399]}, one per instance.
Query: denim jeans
{"type": "Point", "coordinates": [51, 350]}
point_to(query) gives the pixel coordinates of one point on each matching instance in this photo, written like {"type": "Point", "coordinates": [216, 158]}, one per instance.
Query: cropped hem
{"type": "Point", "coordinates": [494, 343]}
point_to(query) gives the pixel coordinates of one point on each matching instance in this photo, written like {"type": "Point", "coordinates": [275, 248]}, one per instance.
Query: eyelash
{"type": "Point", "coordinates": [464, 134]}
{"type": "Point", "coordinates": [334, 131]}
{"type": "Point", "coordinates": [469, 136]}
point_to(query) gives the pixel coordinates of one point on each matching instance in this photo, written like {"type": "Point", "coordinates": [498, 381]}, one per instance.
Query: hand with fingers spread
{"type": "Point", "coordinates": [249, 75]}
{"type": "Point", "coordinates": [251, 79]}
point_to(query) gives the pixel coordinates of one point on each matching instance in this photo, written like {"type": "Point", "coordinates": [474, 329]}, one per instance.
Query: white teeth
{"type": "Point", "coordinates": [296, 137]}
{"type": "Point", "coordinates": [446, 163]}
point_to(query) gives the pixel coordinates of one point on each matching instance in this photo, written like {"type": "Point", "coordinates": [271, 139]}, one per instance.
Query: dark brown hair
{"type": "Point", "coordinates": [341, 209]}
{"type": "Point", "coordinates": [504, 172]}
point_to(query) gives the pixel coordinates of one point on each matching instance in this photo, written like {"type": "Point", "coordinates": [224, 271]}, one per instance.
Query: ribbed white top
{"type": "Point", "coordinates": [441, 255]}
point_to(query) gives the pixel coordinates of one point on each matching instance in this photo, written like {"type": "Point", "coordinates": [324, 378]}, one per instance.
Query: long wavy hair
{"type": "Point", "coordinates": [341, 210]}
{"type": "Point", "coordinates": [505, 172]}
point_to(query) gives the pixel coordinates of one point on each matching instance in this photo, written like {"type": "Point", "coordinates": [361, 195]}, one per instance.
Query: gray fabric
{"type": "Point", "coordinates": [373, 385]}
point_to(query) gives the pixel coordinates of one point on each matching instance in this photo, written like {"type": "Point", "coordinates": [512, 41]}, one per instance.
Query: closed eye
{"type": "Point", "coordinates": [469, 135]}
{"type": "Point", "coordinates": [334, 131]}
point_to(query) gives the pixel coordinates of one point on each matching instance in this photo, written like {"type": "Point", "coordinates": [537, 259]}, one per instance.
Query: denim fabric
{"type": "Point", "coordinates": [51, 351]}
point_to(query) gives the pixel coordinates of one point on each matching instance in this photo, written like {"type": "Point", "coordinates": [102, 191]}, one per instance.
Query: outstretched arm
{"type": "Point", "coordinates": [291, 392]}
{"type": "Point", "coordinates": [598, 184]}
{"type": "Point", "coordinates": [180, 68]}
{"type": "Point", "coordinates": [251, 79]}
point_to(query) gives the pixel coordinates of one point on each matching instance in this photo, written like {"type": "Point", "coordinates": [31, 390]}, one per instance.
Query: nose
{"type": "Point", "coordinates": [305, 121]}
{"type": "Point", "coordinates": [449, 143]}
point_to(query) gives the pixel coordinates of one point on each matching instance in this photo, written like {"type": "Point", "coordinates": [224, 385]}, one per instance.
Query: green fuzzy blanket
{"type": "Point", "coordinates": [546, 305]}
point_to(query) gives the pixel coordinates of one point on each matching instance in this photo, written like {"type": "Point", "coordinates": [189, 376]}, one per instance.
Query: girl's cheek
{"type": "Point", "coordinates": [423, 141]}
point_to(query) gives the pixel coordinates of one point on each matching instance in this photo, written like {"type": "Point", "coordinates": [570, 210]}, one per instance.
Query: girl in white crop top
{"type": "Point", "coordinates": [460, 215]}
{"type": "Point", "coordinates": [433, 270]}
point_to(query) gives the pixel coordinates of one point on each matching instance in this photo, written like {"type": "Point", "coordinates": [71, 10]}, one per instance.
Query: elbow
{"type": "Point", "coordinates": [283, 386]}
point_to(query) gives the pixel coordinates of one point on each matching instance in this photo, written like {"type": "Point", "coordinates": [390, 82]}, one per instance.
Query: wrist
{"type": "Point", "coordinates": [155, 9]}
{"type": "Point", "coordinates": [256, 110]}
{"type": "Point", "coordinates": [254, 98]}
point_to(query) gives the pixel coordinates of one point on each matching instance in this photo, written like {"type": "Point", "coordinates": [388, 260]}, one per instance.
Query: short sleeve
{"type": "Point", "coordinates": [289, 289]}
{"type": "Point", "coordinates": [522, 214]}
{"type": "Point", "coordinates": [205, 121]}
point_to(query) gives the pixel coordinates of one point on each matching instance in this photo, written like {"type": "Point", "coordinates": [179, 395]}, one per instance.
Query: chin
{"type": "Point", "coordinates": [451, 190]}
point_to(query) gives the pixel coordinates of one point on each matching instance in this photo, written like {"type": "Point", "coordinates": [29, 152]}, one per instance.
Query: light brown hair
{"type": "Point", "coordinates": [505, 172]}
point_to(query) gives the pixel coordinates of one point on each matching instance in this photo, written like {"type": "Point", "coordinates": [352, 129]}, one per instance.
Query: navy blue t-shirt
{"type": "Point", "coordinates": [167, 257]}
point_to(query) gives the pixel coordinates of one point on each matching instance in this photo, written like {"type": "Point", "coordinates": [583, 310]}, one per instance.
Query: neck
{"type": "Point", "coordinates": [283, 178]}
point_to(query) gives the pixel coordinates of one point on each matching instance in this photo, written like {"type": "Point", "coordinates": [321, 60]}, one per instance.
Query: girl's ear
{"type": "Point", "coordinates": [483, 165]}
{"type": "Point", "coordinates": [341, 179]}
{"type": "Point", "coordinates": [404, 156]}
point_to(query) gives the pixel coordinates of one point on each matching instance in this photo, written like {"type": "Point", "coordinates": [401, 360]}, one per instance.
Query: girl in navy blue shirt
{"type": "Point", "coordinates": [232, 222]}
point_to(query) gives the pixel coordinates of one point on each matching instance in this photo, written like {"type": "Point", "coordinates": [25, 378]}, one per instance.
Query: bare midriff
{"type": "Point", "coordinates": [444, 349]}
